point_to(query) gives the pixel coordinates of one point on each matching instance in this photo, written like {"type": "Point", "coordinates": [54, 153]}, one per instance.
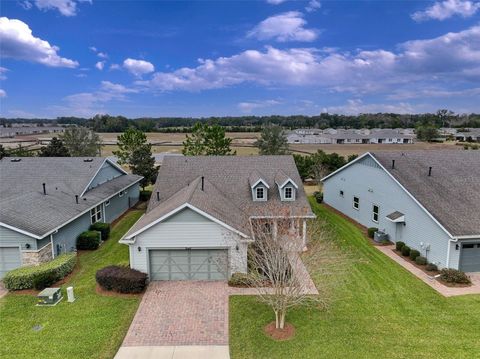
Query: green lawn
{"type": "Point", "coordinates": [91, 327]}
{"type": "Point", "coordinates": [379, 311]}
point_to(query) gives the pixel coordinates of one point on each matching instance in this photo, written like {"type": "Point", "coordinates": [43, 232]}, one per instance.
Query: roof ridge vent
{"type": "Point", "coordinates": [15, 160]}
{"type": "Point", "coordinates": [88, 160]}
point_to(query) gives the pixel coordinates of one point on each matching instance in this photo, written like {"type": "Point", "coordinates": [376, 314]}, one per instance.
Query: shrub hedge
{"type": "Point", "coordinates": [121, 279]}
{"type": "Point", "coordinates": [421, 260]}
{"type": "Point", "coordinates": [371, 231]}
{"type": "Point", "coordinates": [431, 267]}
{"type": "Point", "coordinates": [103, 228]}
{"type": "Point", "coordinates": [454, 276]}
{"type": "Point", "coordinates": [239, 280]}
{"type": "Point", "coordinates": [399, 245]}
{"type": "Point", "coordinates": [405, 251]}
{"type": "Point", "coordinates": [414, 254]}
{"type": "Point", "coordinates": [88, 240]}
{"type": "Point", "coordinates": [145, 195]}
{"type": "Point", "coordinates": [41, 276]}
{"type": "Point", "coordinates": [318, 196]}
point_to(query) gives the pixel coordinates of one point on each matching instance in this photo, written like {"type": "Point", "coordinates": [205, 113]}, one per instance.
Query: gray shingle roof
{"type": "Point", "coordinates": [395, 215]}
{"type": "Point", "coordinates": [23, 205]}
{"type": "Point", "coordinates": [227, 193]}
{"type": "Point", "coordinates": [451, 194]}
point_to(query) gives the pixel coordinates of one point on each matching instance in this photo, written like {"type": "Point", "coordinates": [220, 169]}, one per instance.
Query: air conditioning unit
{"type": "Point", "coordinates": [380, 236]}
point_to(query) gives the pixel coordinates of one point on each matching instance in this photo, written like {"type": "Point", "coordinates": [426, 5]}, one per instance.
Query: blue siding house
{"type": "Point", "coordinates": [428, 199]}
{"type": "Point", "coordinates": [46, 202]}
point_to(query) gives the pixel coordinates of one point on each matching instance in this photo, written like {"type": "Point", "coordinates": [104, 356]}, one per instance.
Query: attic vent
{"type": "Point", "coordinates": [88, 160]}
{"type": "Point", "coordinates": [15, 160]}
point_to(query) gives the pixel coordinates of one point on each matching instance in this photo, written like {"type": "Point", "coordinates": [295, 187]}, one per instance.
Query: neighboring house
{"type": "Point", "coordinates": [351, 136]}
{"type": "Point", "coordinates": [31, 130]}
{"type": "Point", "coordinates": [428, 199]}
{"type": "Point", "coordinates": [199, 220]}
{"type": "Point", "coordinates": [46, 202]}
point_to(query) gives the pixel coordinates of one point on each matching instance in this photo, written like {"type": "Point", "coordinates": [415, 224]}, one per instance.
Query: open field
{"type": "Point", "coordinates": [91, 327]}
{"type": "Point", "coordinates": [379, 310]}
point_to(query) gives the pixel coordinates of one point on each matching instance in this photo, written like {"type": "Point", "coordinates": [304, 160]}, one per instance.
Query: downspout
{"type": "Point", "coordinates": [51, 243]}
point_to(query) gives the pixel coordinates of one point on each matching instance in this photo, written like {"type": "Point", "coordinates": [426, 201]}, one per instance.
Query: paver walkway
{"type": "Point", "coordinates": [3, 290]}
{"type": "Point", "coordinates": [435, 284]}
{"type": "Point", "coordinates": [176, 313]}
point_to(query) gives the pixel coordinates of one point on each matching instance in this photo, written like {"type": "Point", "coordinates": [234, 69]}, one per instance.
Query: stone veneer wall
{"type": "Point", "coordinates": [36, 257]}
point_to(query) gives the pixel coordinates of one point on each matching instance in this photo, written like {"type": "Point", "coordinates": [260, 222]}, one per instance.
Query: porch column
{"type": "Point", "coordinates": [275, 229]}
{"type": "Point", "coordinates": [304, 233]}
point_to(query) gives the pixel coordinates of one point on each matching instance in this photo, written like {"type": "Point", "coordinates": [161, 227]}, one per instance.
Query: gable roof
{"type": "Point", "coordinates": [227, 192]}
{"type": "Point", "coordinates": [451, 195]}
{"type": "Point", "coordinates": [24, 207]}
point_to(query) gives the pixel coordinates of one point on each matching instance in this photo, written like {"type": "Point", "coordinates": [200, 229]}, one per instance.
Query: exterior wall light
{"type": "Point", "coordinates": [139, 249]}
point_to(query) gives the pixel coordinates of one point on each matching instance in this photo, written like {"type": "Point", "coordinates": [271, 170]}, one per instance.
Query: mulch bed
{"type": "Point", "coordinates": [288, 331]}
{"type": "Point", "coordinates": [422, 268]}
{"type": "Point", "coordinates": [110, 293]}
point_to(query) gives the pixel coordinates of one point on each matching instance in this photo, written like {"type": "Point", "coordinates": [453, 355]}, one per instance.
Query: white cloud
{"type": "Point", "coordinates": [138, 67]}
{"type": "Point", "coordinates": [3, 93]}
{"type": "Point", "coordinates": [451, 57]}
{"type": "Point", "coordinates": [3, 71]}
{"type": "Point", "coordinates": [93, 48]}
{"type": "Point", "coordinates": [249, 106]}
{"type": "Point", "coordinates": [115, 67]}
{"type": "Point", "coordinates": [102, 55]}
{"type": "Point", "coordinates": [276, 2]}
{"type": "Point", "coordinates": [289, 26]}
{"type": "Point", "coordinates": [442, 10]}
{"type": "Point", "coordinates": [65, 7]}
{"type": "Point", "coordinates": [356, 106]}
{"type": "Point", "coordinates": [99, 65]}
{"type": "Point", "coordinates": [313, 5]}
{"type": "Point", "coordinates": [19, 43]}
{"type": "Point", "coordinates": [116, 88]}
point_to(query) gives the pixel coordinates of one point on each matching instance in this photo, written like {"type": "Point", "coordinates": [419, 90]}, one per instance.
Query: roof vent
{"type": "Point", "coordinates": [393, 164]}
{"type": "Point", "coordinates": [429, 171]}
{"type": "Point", "coordinates": [15, 160]}
{"type": "Point", "coordinates": [88, 160]}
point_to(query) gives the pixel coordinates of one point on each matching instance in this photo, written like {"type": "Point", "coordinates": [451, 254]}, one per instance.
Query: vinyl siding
{"type": "Point", "coordinates": [11, 238]}
{"type": "Point", "coordinates": [366, 180]}
{"type": "Point", "coordinates": [65, 240]}
{"type": "Point", "coordinates": [187, 229]}
{"type": "Point", "coordinates": [106, 173]}
{"type": "Point", "coordinates": [118, 205]}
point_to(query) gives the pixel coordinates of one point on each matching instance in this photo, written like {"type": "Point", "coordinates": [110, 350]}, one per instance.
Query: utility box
{"type": "Point", "coordinates": [49, 296]}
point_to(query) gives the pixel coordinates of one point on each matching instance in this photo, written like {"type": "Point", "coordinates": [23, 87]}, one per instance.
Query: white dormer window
{"type": "Point", "coordinates": [260, 193]}
{"type": "Point", "coordinates": [288, 193]}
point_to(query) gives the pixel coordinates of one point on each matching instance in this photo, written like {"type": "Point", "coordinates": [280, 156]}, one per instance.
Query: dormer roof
{"type": "Point", "coordinates": [281, 179]}
{"type": "Point", "coordinates": [255, 178]}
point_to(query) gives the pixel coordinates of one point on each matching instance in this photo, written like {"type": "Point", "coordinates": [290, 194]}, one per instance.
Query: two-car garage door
{"type": "Point", "coordinates": [188, 264]}
{"type": "Point", "coordinates": [9, 259]}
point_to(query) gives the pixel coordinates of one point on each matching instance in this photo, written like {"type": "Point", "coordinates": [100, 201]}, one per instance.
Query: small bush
{"type": "Point", "coordinates": [414, 254]}
{"type": "Point", "coordinates": [318, 196]}
{"type": "Point", "coordinates": [239, 280]}
{"type": "Point", "coordinates": [420, 260]}
{"type": "Point", "coordinates": [454, 276]}
{"type": "Point", "coordinates": [88, 240]}
{"type": "Point", "coordinates": [145, 195]}
{"type": "Point", "coordinates": [405, 251]}
{"type": "Point", "coordinates": [371, 231]}
{"type": "Point", "coordinates": [41, 276]}
{"type": "Point", "coordinates": [103, 228]}
{"type": "Point", "coordinates": [431, 267]}
{"type": "Point", "coordinates": [121, 279]}
{"type": "Point", "coordinates": [399, 245]}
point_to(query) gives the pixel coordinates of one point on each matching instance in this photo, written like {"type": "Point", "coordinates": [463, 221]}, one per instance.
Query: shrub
{"type": "Point", "coordinates": [239, 280]}
{"type": "Point", "coordinates": [405, 251]}
{"type": "Point", "coordinates": [431, 267]}
{"type": "Point", "coordinates": [399, 245]}
{"type": "Point", "coordinates": [420, 260]}
{"type": "Point", "coordinates": [41, 276]}
{"type": "Point", "coordinates": [103, 228]}
{"type": "Point", "coordinates": [121, 279]}
{"type": "Point", "coordinates": [318, 196]}
{"type": "Point", "coordinates": [145, 195]}
{"type": "Point", "coordinates": [88, 240]}
{"type": "Point", "coordinates": [454, 276]}
{"type": "Point", "coordinates": [371, 231]}
{"type": "Point", "coordinates": [414, 254]}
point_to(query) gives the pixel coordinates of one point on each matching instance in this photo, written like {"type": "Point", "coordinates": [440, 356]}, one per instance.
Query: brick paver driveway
{"type": "Point", "coordinates": [181, 313]}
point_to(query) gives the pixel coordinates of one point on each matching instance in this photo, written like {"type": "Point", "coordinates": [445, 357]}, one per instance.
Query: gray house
{"type": "Point", "coordinates": [199, 220]}
{"type": "Point", "coordinates": [46, 202]}
{"type": "Point", "coordinates": [428, 199]}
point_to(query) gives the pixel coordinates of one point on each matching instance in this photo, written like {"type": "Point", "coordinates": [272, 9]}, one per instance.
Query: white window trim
{"type": "Point", "coordinates": [95, 212]}
{"type": "Point", "coordinates": [107, 203]}
{"type": "Point", "coordinates": [373, 212]}
{"type": "Point", "coordinates": [285, 198]}
{"type": "Point", "coordinates": [358, 203]}
{"type": "Point", "coordinates": [265, 193]}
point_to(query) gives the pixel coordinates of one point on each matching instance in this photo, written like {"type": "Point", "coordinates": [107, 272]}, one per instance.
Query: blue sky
{"type": "Point", "coordinates": [214, 58]}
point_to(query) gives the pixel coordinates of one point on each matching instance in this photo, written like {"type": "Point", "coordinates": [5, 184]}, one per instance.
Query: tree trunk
{"type": "Point", "coordinates": [277, 320]}
{"type": "Point", "coordinates": [282, 319]}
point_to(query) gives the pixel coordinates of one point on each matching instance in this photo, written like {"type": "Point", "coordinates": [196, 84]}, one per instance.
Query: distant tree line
{"type": "Point", "coordinates": [107, 123]}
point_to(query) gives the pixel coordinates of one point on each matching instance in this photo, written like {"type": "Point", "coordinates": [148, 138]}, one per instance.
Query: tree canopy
{"type": "Point", "coordinates": [272, 141]}
{"type": "Point", "coordinates": [207, 140]}
{"type": "Point", "coordinates": [143, 164]}
{"type": "Point", "coordinates": [128, 142]}
{"type": "Point", "coordinates": [55, 148]}
{"type": "Point", "coordinates": [81, 142]}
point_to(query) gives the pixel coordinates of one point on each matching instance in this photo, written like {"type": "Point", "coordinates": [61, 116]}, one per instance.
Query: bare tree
{"type": "Point", "coordinates": [279, 273]}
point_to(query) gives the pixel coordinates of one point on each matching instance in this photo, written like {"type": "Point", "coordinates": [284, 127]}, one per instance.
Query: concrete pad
{"type": "Point", "coordinates": [174, 352]}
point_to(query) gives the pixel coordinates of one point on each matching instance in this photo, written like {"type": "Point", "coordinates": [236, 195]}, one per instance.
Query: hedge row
{"type": "Point", "coordinates": [89, 240]}
{"type": "Point", "coordinates": [103, 228]}
{"type": "Point", "coordinates": [41, 276]}
{"type": "Point", "coordinates": [121, 279]}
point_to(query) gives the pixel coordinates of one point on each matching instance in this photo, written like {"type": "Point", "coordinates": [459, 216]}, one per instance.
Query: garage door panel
{"type": "Point", "coordinates": [193, 264]}
{"type": "Point", "coordinates": [470, 257]}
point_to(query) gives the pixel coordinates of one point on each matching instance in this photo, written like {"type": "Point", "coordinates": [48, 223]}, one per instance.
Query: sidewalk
{"type": "Point", "coordinates": [435, 284]}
